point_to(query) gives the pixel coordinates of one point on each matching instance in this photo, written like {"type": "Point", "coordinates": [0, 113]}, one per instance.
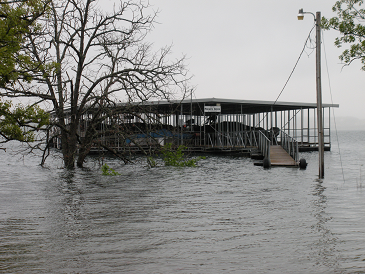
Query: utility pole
{"type": "Point", "coordinates": [319, 96]}
{"type": "Point", "coordinates": [317, 19]}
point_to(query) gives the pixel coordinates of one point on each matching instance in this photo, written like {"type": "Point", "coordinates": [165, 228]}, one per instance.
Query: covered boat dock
{"type": "Point", "coordinates": [214, 125]}
{"type": "Point", "coordinates": [226, 123]}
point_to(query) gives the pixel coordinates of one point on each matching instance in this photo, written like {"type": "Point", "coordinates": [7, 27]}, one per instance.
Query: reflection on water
{"type": "Point", "coordinates": [324, 250]}
{"type": "Point", "coordinates": [227, 216]}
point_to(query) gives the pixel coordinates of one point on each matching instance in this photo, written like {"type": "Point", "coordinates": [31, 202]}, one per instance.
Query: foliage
{"type": "Point", "coordinates": [20, 122]}
{"type": "Point", "coordinates": [108, 171]}
{"type": "Point", "coordinates": [350, 23]}
{"type": "Point", "coordinates": [17, 19]}
{"type": "Point", "coordinates": [151, 162]}
{"type": "Point", "coordinates": [176, 157]}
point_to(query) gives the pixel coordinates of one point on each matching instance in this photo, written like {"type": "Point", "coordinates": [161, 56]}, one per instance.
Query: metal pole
{"type": "Point", "coordinates": [204, 120]}
{"type": "Point", "coordinates": [191, 111]}
{"type": "Point", "coordinates": [319, 95]}
{"type": "Point", "coordinates": [181, 125]}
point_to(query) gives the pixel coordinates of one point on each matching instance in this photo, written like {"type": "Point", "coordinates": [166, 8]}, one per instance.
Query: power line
{"type": "Point", "coordinates": [295, 66]}
{"type": "Point", "coordinates": [334, 117]}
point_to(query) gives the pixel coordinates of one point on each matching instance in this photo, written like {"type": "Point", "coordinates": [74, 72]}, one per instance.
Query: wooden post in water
{"type": "Point", "coordinates": [319, 96]}
{"type": "Point", "coordinates": [317, 19]}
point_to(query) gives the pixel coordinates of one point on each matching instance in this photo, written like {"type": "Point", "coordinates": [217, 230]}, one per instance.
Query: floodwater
{"type": "Point", "coordinates": [225, 216]}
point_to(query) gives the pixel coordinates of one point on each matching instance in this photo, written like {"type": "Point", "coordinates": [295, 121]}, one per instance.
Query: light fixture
{"type": "Point", "coordinates": [301, 14]}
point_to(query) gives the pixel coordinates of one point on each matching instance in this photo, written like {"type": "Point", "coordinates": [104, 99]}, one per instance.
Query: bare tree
{"type": "Point", "coordinates": [88, 59]}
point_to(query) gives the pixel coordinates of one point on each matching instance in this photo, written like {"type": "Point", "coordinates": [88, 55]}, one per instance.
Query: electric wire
{"type": "Point", "coordinates": [295, 66]}
{"type": "Point", "coordinates": [287, 81]}
{"type": "Point", "coordinates": [333, 111]}
{"type": "Point", "coordinates": [290, 75]}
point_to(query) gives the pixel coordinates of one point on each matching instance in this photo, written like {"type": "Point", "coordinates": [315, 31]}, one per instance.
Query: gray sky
{"type": "Point", "coordinates": [247, 50]}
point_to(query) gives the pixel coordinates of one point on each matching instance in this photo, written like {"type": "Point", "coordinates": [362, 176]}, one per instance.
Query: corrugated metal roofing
{"type": "Point", "coordinates": [234, 106]}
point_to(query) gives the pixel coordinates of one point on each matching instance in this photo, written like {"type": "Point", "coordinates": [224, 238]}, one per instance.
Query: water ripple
{"type": "Point", "coordinates": [226, 216]}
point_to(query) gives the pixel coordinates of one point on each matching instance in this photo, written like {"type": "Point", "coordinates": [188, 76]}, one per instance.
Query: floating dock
{"type": "Point", "coordinates": [279, 157]}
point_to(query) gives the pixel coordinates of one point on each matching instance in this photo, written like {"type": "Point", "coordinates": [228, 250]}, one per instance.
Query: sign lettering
{"type": "Point", "coordinates": [212, 108]}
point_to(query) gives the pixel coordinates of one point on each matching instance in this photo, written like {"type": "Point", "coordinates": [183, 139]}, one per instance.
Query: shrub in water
{"type": "Point", "coordinates": [176, 157]}
{"type": "Point", "coordinates": [151, 162]}
{"type": "Point", "coordinates": [108, 171]}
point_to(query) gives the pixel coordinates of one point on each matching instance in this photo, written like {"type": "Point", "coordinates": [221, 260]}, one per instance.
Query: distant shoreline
{"type": "Point", "coordinates": [348, 123]}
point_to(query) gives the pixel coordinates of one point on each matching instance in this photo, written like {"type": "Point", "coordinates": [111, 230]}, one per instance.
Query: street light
{"type": "Point", "coordinates": [317, 20]}
{"type": "Point", "coordinates": [301, 14]}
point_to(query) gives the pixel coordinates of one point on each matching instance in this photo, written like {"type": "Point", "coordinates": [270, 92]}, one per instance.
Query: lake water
{"type": "Point", "coordinates": [225, 216]}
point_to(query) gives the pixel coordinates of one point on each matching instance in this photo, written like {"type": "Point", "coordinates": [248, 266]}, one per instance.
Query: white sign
{"type": "Point", "coordinates": [212, 108]}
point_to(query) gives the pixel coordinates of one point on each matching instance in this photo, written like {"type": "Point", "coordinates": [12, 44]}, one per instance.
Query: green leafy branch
{"type": "Point", "coordinates": [108, 171]}
{"type": "Point", "coordinates": [20, 122]}
{"type": "Point", "coordinates": [17, 19]}
{"type": "Point", "coordinates": [176, 157]}
{"type": "Point", "coordinates": [350, 23]}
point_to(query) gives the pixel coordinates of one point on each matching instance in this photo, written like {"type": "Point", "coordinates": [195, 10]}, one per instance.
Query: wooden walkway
{"type": "Point", "coordinates": [279, 157]}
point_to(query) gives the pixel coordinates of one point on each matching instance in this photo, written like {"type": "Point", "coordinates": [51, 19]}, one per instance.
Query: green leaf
{"type": "Point", "coordinates": [350, 23]}
{"type": "Point", "coordinates": [176, 157]}
{"type": "Point", "coordinates": [20, 122]}
{"type": "Point", "coordinates": [17, 18]}
{"type": "Point", "coordinates": [107, 171]}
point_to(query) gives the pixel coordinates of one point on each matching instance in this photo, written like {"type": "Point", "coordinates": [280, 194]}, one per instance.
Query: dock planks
{"type": "Point", "coordinates": [279, 157]}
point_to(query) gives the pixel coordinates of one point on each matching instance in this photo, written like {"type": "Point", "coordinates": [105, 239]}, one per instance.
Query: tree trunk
{"type": "Point", "coordinates": [68, 154]}
{"type": "Point", "coordinates": [86, 144]}
{"type": "Point", "coordinates": [69, 144]}
{"type": "Point", "coordinates": [83, 152]}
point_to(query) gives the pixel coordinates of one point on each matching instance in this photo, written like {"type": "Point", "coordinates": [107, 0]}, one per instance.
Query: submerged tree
{"type": "Point", "coordinates": [350, 23]}
{"type": "Point", "coordinates": [87, 60]}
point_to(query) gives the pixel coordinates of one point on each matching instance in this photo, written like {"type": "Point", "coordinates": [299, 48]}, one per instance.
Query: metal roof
{"type": "Point", "coordinates": [228, 106]}
{"type": "Point", "coordinates": [234, 106]}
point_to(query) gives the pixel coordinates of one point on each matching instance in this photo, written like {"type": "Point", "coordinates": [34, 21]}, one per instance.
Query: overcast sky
{"type": "Point", "coordinates": [247, 50]}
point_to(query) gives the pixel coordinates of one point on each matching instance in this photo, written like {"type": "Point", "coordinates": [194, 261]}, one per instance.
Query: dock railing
{"type": "Point", "coordinates": [217, 140]}
{"type": "Point", "coordinates": [231, 139]}
{"type": "Point", "coordinates": [264, 144]}
{"type": "Point", "coordinates": [290, 145]}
